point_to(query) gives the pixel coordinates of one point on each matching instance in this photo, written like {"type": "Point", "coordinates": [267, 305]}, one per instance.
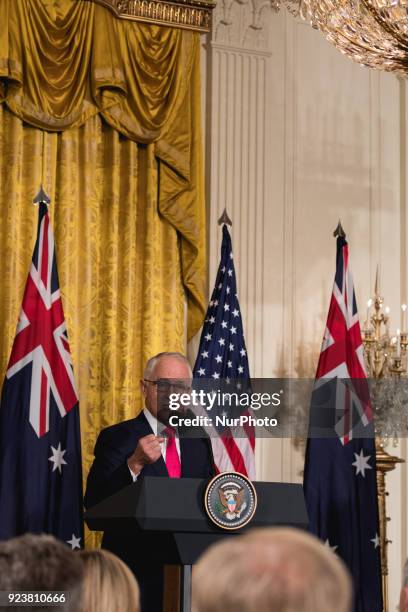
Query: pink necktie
{"type": "Point", "coordinates": [172, 457]}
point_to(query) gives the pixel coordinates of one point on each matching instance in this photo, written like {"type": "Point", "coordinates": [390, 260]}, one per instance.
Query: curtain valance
{"type": "Point", "coordinates": [63, 61]}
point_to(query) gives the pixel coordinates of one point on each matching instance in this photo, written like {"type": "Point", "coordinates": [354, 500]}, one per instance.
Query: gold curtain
{"type": "Point", "coordinates": [107, 115]}
{"type": "Point", "coordinates": [64, 61]}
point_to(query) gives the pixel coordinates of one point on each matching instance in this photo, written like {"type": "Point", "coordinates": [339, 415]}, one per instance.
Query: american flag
{"type": "Point", "coordinates": [340, 470]}
{"type": "Point", "coordinates": [222, 356]}
{"type": "Point", "coordinates": [40, 447]}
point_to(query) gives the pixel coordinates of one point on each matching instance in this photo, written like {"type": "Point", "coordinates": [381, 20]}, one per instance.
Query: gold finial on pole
{"type": "Point", "coordinates": [339, 231]}
{"type": "Point", "coordinates": [225, 219]}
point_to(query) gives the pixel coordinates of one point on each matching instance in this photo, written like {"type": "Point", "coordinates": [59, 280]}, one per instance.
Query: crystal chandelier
{"type": "Point", "coordinates": [374, 33]}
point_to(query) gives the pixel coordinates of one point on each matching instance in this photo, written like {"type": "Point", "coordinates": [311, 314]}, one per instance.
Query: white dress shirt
{"type": "Point", "coordinates": [154, 424]}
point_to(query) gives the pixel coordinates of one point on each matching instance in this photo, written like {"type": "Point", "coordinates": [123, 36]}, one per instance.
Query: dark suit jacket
{"type": "Point", "coordinates": [110, 473]}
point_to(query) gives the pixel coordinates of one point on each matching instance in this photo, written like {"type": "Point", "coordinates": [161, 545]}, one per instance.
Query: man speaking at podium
{"type": "Point", "coordinates": [130, 450]}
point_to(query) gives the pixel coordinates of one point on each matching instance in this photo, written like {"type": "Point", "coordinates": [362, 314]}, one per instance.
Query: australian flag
{"type": "Point", "coordinates": [40, 448]}
{"type": "Point", "coordinates": [340, 469]}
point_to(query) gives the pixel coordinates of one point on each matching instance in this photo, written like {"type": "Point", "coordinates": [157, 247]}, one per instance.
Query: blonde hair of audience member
{"type": "Point", "coordinates": [109, 585]}
{"type": "Point", "coordinates": [271, 570]}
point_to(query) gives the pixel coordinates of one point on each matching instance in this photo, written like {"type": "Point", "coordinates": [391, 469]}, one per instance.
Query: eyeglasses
{"type": "Point", "coordinates": [168, 385]}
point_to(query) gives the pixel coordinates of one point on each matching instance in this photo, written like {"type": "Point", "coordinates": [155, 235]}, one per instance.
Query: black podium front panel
{"type": "Point", "coordinates": [165, 504]}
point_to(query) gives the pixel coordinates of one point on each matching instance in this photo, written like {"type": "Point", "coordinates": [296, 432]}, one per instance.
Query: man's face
{"type": "Point", "coordinates": [170, 375]}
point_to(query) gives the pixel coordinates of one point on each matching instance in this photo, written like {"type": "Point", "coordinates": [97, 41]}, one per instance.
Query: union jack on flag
{"type": "Point", "coordinates": [40, 450]}
{"type": "Point", "coordinates": [342, 355]}
{"type": "Point", "coordinates": [340, 470]}
{"type": "Point", "coordinates": [41, 337]}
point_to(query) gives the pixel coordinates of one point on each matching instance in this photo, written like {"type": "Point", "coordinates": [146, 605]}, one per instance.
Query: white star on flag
{"type": "Point", "coordinates": [215, 375]}
{"type": "Point", "coordinates": [231, 347]}
{"type": "Point", "coordinates": [229, 272]}
{"type": "Point", "coordinates": [226, 307]}
{"type": "Point", "coordinates": [212, 319]}
{"type": "Point", "coordinates": [204, 354]}
{"type": "Point", "coordinates": [201, 372]}
{"type": "Point", "coordinates": [240, 369]}
{"type": "Point", "coordinates": [233, 330]}
{"type": "Point", "coordinates": [208, 337]}
{"type": "Point", "coordinates": [57, 458]}
{"type": "Point", "coordinates": [327, 544]}
{"type": "Point", "coordinates": [218, 359]}
{"type": "Point", "coordinates": [221, 341]}
{"type": "Point", "coordinates": [242, 352]}
{"type": "Point", "coordinates": [228, 290]}
{"type": "Point", "coordinates": [235, 312]}
{"type": "Point", "coordinates": [361, 463]}
{"type": "Point", "coordinates": [229, 364]}
{"type": "Point", "coordinates": [224, 324]}
{"type": "Point", "coordinates": [376, 541]}
{"type": "Point", "coordinates": [75, 542]}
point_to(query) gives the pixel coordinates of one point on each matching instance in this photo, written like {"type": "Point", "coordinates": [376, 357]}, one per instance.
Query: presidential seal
{"type": "Point", "coordinates": [230, 500]}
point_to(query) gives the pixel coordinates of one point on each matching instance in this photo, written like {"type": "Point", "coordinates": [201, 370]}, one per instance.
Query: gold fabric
{"type": "Point", "coordinates": [107, 115]}
{"type": "Point", "coordinates": [118, 258]}
{"type": "Point", "coordinates": [64, 61]}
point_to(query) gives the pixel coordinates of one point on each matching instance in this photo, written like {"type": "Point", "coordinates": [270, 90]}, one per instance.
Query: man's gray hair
{"type": "Point", "coordinates": [278, 570]}
{"type": "Point", "coordinates": [42, 563]}
{"type": "Point", "coordinates": [152, 362]}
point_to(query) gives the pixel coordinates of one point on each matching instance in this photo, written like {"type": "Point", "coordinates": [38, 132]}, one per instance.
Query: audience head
{"type": "Point", "coordinates": [41, 563]}
{"type": "Point", "coordinates": [109, 585]}
{"type": "Point", "coordinates": [271, 570]}
{"type": "Point", "coordinates": [403, 606]}
{"type": "Point", "coordinates": [164, 367]}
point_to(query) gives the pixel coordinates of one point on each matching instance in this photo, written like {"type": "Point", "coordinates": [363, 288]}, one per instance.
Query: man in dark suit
{"type": "Point", "coordinates": [146, 446]}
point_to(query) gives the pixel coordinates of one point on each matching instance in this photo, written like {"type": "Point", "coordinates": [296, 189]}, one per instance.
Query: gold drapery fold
{"type": "Point", "coordinates": [61, 65]}
{"type": "Point", "coordinates": [118, 258]}
{"type": "Point", "coordinates": [64, 61]}
{"type": "Point", "coordinates": [46, 65]}
{"type": "Point", "coordinates": [177, 204]}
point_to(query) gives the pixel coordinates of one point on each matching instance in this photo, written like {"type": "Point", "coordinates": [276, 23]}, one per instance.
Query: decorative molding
{"type": "Point", "coordinates": [187, 14]}
{"type": "Point", "coordinates": [243, 24]}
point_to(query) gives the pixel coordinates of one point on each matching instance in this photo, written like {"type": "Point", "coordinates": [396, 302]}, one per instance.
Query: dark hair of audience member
{"type": "Point", "coordinates": [41, 563]}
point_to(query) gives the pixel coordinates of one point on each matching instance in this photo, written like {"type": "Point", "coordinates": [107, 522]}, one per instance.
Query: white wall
{"type": "Point", "coordinates": [297, 136]}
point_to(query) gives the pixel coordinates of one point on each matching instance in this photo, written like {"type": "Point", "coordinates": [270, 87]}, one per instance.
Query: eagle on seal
{"type": "Point", "coordinates": [232, 500]}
